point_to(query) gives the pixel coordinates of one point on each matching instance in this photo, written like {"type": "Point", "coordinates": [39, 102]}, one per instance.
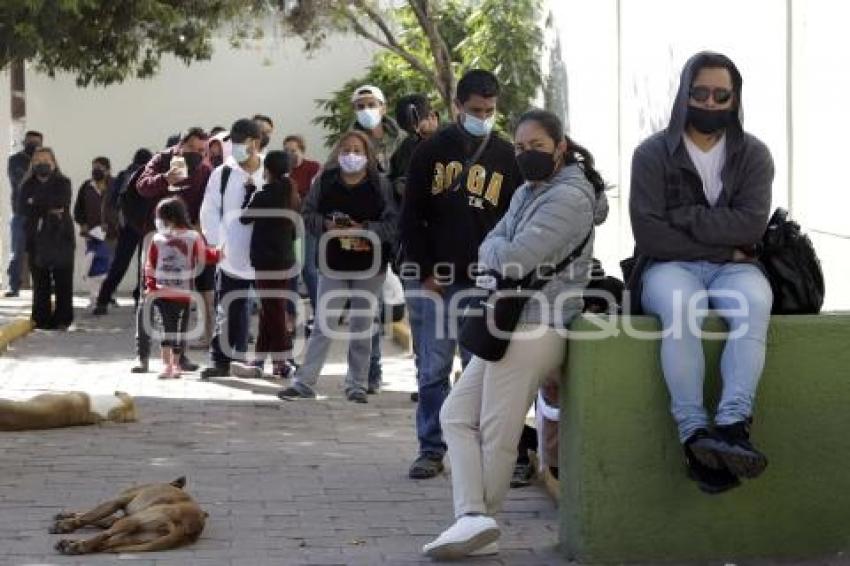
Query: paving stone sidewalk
{"type": "Point", "coordinates": [319, 483]}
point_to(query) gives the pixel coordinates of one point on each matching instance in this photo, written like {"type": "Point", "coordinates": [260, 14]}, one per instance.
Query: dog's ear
{"type": "Point", "coordinates": [179, 482]}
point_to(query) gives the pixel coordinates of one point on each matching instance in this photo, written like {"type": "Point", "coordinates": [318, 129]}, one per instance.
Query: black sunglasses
{"type": "Point", "coordinates": [702, 93]}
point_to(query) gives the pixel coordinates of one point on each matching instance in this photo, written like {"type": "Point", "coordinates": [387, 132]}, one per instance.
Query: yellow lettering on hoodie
{"type": "Point", "coordinates": [453, 169]}
{"type": "Point", "coordinates": [438, 185]}
{"type": "Point", "coordinates": [475, 180]}
{"type": "Point", "coordinates": [494, 189]}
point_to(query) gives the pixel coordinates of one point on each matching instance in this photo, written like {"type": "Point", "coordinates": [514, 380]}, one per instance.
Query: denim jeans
{"type": "Point", "coordinates": [310, 269]}
{"type": "Point", "coordinates": [414, 316]}
{"type": "Point", "coordinates": [437, 346]}
{"type": "Point", "coordinates": [230, 338]}
{"type": "Point", "coordinates": [669, 290]}
{"type": "Point", "coordinates": [17, 251]}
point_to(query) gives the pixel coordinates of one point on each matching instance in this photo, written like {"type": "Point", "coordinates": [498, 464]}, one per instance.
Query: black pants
{"type": "Point", "coordinates": [47, 283]}
{"type": "Point", "coordinates": [175, 323]}
{"type": "Point", "coordinates": [128, 242]}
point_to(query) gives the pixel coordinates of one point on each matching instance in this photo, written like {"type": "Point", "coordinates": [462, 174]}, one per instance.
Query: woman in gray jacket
{"type": "Point", "coordinates": [549, 217]}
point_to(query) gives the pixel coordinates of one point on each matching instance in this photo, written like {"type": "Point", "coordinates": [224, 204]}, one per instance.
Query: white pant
{"type": "Point", "coordinates": [483, 415]}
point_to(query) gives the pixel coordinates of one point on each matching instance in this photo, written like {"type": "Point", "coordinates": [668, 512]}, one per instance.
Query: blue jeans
{"type": "Point", "coordinates": [376, 372]}
{"type": "Point", "coordinates": [669, 290]}
{"type": "Point", "coordinates": [232, 318]}
{"type": "Point", "coordinates": [437, 345]}
{"type": "Point", "coordinates": [414, 317]}
{"type": "Point", "coordinates": [18, 250]}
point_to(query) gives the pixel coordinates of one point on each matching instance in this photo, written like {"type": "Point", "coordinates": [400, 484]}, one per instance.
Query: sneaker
{"type": "Point", "coordinates": [246, 371]}
{"type": "Point", "coordinates": [215, 371]}
{"type": "Point", "coordinates": [11, 294]}
{"type": "Point", "coordinates": [414, 397]}
{"type": "Point", "coordinates": [187, 365]}
{"type": "Point", "coordinates": [522, 475]}
{"type": "Point", "coordinates": [703, 446]}
{"type": "Point", "coordinates": [285, 371]}
{"type": "Point", "coordinates": [373, 389]}
{"type": "Point", "coordinates": [294, 393]}
{"type": "Point", "coordinates": [141, 368]}
{"type": "Point", "coordinates": [100, 310]}
{"type": "Point", "coordinates": [357, 396]}
{"type": "Point", "coordinates": [425, 467]}
{"type": "Point", "coordinates": [488, 550]}
{"type": "Point", "coordinates": [709, 480]}
{"type": "Point", "coordinates": [737, 452]}
{"type": "Point", "coordinates": [113, 302]}
{"type": "Point", "coordinates": [469, 534]}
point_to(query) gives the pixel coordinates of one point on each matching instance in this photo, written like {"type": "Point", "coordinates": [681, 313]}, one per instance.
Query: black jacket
{"type": "Point", "coordinates": [400, 162]}
{"type": "Point", "coordinates": [370, 203]}
{"type": "Point", "coordinates": [273, 238]}
{"type": "Point", "coordinates": [17, 167]}
{"type": "Point", "coordinates": [446, 227]}
{"type": "Point", "coordinates": [671, 218]}
{"type": "Point", "coordinates": [48, 204]}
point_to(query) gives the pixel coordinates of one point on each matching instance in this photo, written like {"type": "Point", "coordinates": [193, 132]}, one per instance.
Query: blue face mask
{"type": "Point", "coordinates": [476, 126]}
{"type": "Point", "coordinates": [369, 118]}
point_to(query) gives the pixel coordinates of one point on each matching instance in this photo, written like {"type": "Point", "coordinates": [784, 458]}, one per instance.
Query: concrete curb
{"type": "Point", "coordinates": [13, 330]}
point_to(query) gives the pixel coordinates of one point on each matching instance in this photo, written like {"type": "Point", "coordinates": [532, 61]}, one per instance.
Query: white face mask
{"type": "Point", "coordinates": [352, 162]}
{"type": "Point", "coordinates": [476, 126]}
{"type": "Point", "coordinates": [161, 226]}
{"type": "Point", "coordinates": [369, 118]}
{"type": "Point", "coordinates": [240, 152]}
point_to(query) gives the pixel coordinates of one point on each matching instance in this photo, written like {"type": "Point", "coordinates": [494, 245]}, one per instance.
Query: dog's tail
{"type": "Point", "coordinates": [179, 482]}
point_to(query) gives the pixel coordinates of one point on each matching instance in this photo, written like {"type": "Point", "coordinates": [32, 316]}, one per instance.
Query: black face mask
{"type": "Point", "coordinates": [217, 160]}
{"type": "Point", "coordinates": [30, 148]}
{"type": "Point", "coordinates": [193, 159]}
{"type": "Point", "coordinates": [536, 165]}
{"type": "Point", "coordinates": [710, 121]}
{"type": "Point", "coordinates": [98, 174]}
{"type": "Point", "coordinates": [264, 141]}
{"type": "Point", "coordinates": [42, 170]}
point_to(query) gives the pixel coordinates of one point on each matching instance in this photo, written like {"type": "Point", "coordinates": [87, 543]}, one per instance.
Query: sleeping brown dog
{"type": "Point", "coordinates": [55, 410]}
{"type": "Point", "coordinates": [158, 516]}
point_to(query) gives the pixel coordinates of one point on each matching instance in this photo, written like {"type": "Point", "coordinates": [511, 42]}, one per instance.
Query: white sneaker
{"type": "Point", "coordinates": [248, 371]}
{"type": "Point", "coordinates": [470, 533]}
{"type": "Point", "coordinates": [489, 550]}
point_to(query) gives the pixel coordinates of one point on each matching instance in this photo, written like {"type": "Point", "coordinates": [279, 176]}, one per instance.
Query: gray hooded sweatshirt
{"type": "Point", "coordinates": [671, 217]}
{"type": "Point", "coordinates": [542, 226]}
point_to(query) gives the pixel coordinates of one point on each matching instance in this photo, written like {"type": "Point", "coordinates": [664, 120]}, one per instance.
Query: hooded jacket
{"type": "Point", "coordinates": [671, 218]}
{"type": "Point", "coordinates": [543, 225]}
{"type": "Point", "coordinates": [387, 145]}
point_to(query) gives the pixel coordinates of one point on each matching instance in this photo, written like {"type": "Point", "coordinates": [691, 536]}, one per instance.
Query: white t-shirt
{"type": "Point", "coordinates": [709, 165]}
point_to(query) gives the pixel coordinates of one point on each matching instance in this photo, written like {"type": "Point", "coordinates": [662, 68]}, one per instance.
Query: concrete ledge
{"type": "Point", "coordinates": [624, 493]}
{"type": "Point", "coordinates": [13, 330]}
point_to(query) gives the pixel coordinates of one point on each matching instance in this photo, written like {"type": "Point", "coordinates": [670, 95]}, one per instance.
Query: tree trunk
{"type": "Point", "coordinates": [18, 96]}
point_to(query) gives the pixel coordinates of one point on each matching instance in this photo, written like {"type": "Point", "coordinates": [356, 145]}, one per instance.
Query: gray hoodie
{"type": "Point", "coordinates": [671, 218]}
{"type": "Point", "coordinates": [542, 226]}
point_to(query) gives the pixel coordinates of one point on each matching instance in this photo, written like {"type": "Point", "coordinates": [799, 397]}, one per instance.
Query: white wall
{"type": "Point", "coordinates": [623, 62]}
{"type": "Point", "coordinates": [273, 77]}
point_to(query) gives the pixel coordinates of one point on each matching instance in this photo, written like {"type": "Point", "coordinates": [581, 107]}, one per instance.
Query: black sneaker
{"type": "Point", "coordinates": [737, 452]}
{"type": "Point", "coordinates": [11, 294]}
{"type": "Point", "coordinates": [100, 310]}
{"type": "Point", "coordinates": [709, 480]}
{"type": "Point", "coordinates": [294, 393]}
{"type": "Point", "coordinates": [424, 468]}
{"type": "Point", "coordinates": [215, 371]}
{"type": "Point", "coordinates": [703, 446]}
{"type": "Point", "coordinates": [187, 365]}
{"type": "Point", "coordinates": [141, 368]}
{"type": "Point", "coordinates": [373, 389]}
{"type": "Point", "coordinates": [357, 396]}
{"type": "Point", "coordinates": [522, 475]}
{"type": "Point", "coordinates": [414, 397]}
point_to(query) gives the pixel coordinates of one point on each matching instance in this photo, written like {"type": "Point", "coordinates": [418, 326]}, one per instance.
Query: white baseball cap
{"type": "Point", "coordinates": [368, 90]}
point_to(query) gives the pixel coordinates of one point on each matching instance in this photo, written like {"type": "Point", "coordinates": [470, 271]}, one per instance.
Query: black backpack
{"type": "Point", "coordinates": [136, 210]}
{"type": "Point", "coordinates": [791, 266]}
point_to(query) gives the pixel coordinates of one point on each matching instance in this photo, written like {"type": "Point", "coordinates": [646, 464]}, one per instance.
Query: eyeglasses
{"type": "Point", "coordinates": [702, 93]}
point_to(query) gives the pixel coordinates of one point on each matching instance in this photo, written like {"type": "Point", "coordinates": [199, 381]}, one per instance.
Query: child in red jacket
{"type": "Point", "coordinates": [177, 254]}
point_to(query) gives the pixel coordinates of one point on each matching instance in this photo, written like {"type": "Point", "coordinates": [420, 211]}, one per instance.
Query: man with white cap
{"type": "Point", "coordinates": [370, 107]}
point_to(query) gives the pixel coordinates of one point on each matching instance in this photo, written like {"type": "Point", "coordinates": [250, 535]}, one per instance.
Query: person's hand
{"type": "Point", "coordinates": [174, 176]}
{"type": "Point", "coordinates": [432, 285]}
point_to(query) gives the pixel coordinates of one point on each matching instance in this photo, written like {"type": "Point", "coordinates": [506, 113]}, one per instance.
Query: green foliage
{"type": "Point", "coordinates": [106, 41]}
{"type": "Point", "coordinates": [503, 37]}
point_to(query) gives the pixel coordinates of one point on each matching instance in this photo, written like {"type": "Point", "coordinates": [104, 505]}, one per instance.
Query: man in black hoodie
{"type": "Point", "coordinates": [699, 203]}
{"type": "Point", "coordinates": [18, 165]}
{"type": "Point", "coordinates": [450, 204]}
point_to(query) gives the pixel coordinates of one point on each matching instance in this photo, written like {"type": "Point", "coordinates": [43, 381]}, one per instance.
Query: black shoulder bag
{"type": "Point", "coordinates": [501, 309]}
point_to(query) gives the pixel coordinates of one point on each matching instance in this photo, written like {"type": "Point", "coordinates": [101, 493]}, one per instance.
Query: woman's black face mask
{"type": "Point", "coordinates": [536, 165]}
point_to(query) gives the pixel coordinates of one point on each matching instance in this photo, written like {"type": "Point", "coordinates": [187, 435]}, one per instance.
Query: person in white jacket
{"type": "Point", "coordinates": [550, 216]}
{"type": "Point", "coordinates": [229, 186]}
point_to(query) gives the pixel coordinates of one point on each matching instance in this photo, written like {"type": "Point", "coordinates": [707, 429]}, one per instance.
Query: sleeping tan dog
{"type": "Point", "coordinates": [158, 516]}
{"type": "Point", "coordinates": [55, 410]}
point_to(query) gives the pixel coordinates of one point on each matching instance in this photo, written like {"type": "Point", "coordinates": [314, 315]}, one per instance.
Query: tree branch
{"type": "Point", "coordinates": [439, 50]}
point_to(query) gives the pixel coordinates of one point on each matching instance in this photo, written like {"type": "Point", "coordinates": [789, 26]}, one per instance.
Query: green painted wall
{"type": "Point", "coordinates": [625, 496]}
